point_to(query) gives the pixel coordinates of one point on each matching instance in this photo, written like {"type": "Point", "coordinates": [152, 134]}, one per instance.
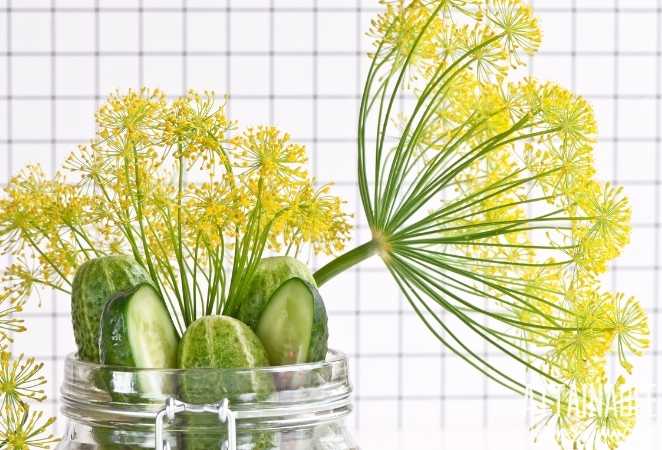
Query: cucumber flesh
{"type": "Point", "coordinates": [286, 324]}
{"type": "Point", "coordinates": [136, 331]}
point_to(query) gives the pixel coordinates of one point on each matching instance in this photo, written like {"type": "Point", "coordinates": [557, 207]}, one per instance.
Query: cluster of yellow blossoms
{"type": "Point", "coordinates": [176, 186]}
{"type": "Point", "coordinates": [166, 182]}
{"type": "Point", "coordinates": [22, 428]}
{"type": "Point", "coordinates": [524, 228]}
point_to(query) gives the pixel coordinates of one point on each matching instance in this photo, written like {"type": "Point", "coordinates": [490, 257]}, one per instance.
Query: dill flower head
{"type": "Point", "coordinates": [486, 204]}
{"type": "Point", "coordinates": [134, 119]}
{"type": "Point", "coordinates": [171, 184]}
{"type": "Point", "coordinates": [11, 303]}
{"type": "Point", "coordinates": [198, 128]}
{"type": "Point", "coordinates": [318, 218]}
{"type": "Point", "coordinates": [267, 153]}
{"type": "Point", "coordinates": [398, 30]}
{"type": "Point", "coordinates": [20, 381]}
{"type": "Point", "coordinates": [628, 322]}
{"type": "Point", "coordinates": [23, 429]}
{"type": "Point", "coordinates": [514, 20]}
{"type": "Point", "coordinates": [606, 228]}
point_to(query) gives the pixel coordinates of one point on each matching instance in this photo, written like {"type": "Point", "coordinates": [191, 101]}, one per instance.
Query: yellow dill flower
{"type": "Point", "coordinates": [10, 304]}
{"type": "Point", "coordinates": [268, 154]}
{"type": "Point", "coordinates": [570, 115]}
{"type": "Point", "coordinates": [608, 417]}
{"type": "Point", "coordinates": [628, 321]}
{"type": "Point", "coordinates": [559, 412]}
{"type": "Point", "coordinates": [563, 169]}
{"type": "Point", "coordinates": [399, 30]}
{"type": "Point", "coordinates": [135, 118]}
{"type": "Point", "coordinates": [526, 97]}
{"type": "Point", "coordinates": [606, 229]}
{"type": "Point", "coordinates": [578, 349]}
{"type": "Point", "coordinates": [515, 21]}
{"type": "Point", "coordinates": [317, 218]}
{"type": "Point", "coordinates": [197, 128]}
{"type": "Point", "coordinates": [20, 381]}
{"type": "Point", "coordinates": [22, 429]}
{"type": "Point", "coordinates": [490, 59]}
{"type": "Point", "coordinates": [209, 207]}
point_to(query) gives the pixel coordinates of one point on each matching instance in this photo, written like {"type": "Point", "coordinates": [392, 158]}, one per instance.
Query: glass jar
{"type": "Point", "coordinates": [292, 407]}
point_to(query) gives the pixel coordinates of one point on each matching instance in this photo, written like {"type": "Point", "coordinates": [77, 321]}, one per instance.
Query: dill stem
{"type": "Point", "coordinates": [347, 260]}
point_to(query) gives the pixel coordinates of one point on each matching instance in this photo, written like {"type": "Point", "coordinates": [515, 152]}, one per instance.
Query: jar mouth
{"type": "Point", "coordinates": [333, 357]}
{"type": "Point", "coordinates": [263, 398]}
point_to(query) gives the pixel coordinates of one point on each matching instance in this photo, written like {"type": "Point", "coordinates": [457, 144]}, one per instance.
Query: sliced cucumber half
{"type": "Point", "coordinates": [293, 326]}
{"type": "Point", "coordinates": [136, 331]}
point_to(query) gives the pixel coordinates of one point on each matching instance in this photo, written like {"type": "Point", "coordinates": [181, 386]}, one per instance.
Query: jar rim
{"type": "Point", "coordinates": [270, 397]}
{"type": "Point", "coordinates": [333, 357]}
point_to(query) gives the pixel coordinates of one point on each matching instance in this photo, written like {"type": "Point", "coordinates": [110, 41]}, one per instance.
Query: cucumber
{"type": "Point", "coordinates": [94, 283]}
{"type": "Point", "coordinates": [294, 326]}
{"type": "Point", "coordinates": [136, 331]}
{"type": "Point", "coordinates": [221, 342]}
{"type": "Point", "coordinates": [269, 275]}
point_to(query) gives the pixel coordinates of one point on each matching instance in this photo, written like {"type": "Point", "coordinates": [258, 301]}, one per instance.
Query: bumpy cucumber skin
{"type": "Point", "coordinates": [94, 283]}
{"type": "Point", "coordinates": [270, 274]}
{"type": "Point", "coordinates": [219, 342]}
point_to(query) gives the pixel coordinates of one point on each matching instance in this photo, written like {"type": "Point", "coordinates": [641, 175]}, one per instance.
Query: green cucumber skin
{"type": "Point", "coordinates": [227, 338]}
{"type": "Point", "coordinates": [319, 334]}
{"type": "Point", "coordinates": [270, 274]}
{"type": "Point", "coordinates": [221, 342]}
{"type": "Point", "coordinates": [94, 283]}
{"type": "Point", "coordinates": [114, 347]}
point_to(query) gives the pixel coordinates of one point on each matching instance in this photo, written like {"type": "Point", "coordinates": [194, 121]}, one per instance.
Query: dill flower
{"type": "Point", "coordinates": [268, 154]}
{"type": "Point", "coordinates": [564, 169]}
{"type": "Point", "coordinates": [23, 429]}
{"type": "Point", "coordinates": [20, 381]}
{"type": "Point", "coordinates": [10, 304]}
{"type": "Point", "coordinates": [570, 115]}
{"type": "Point", "coordinates": [399, 30]}
{"type": "Point", "coordinates": [317, 218]}
{"type": "Point", "coordinates": [198, 128]}
{"type": "Point", "coordinates": [515, 21]}
{"type": "Point", "coordinates": [165, 182]}
{"type": "Point", "coordinates": [489, 56]}
{"type": "Point", "coordinates": [606, 229]}
{"type": "Point", "coordinates": [608, 416]}
{"type": "Point", "coordinates": [129, 123]}
{"type": "Point", "coordinates": [628, 321]}
{"type": "Point", "coordinates": [485, 205]}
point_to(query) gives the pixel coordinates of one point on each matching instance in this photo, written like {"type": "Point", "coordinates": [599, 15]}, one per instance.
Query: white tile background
{"type": "Point", "coordinates": [297, 63]}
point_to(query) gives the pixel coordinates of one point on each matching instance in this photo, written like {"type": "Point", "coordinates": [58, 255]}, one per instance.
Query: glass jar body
{"type": "Point", "coordinates": [279, 408]}
{"type": "Point", "coordinates": [329, 436]}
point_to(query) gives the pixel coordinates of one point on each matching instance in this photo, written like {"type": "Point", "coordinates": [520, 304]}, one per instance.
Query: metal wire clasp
{"type": "Point", "coordinates": [173, 407]}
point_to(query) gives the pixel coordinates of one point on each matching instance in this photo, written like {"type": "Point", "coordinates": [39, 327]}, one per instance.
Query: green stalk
{"type": "Point", "coordinates": [347, 260]}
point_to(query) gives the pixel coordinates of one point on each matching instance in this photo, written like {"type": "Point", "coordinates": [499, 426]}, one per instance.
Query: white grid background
{"type": "Point", "coordinates": [299, 65]}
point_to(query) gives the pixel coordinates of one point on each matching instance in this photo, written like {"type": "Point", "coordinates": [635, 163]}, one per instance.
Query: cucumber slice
{"type": "Point", "coordinates": [270, 274]}
{"type": "Point", "coordinates": [136, 331]}
{"type": "Point", "coordinates": [293, 326]}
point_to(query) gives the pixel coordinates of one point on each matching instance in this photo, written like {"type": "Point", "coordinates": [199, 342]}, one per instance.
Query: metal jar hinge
{"type": "Point", "coordinates": [173, 407]}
